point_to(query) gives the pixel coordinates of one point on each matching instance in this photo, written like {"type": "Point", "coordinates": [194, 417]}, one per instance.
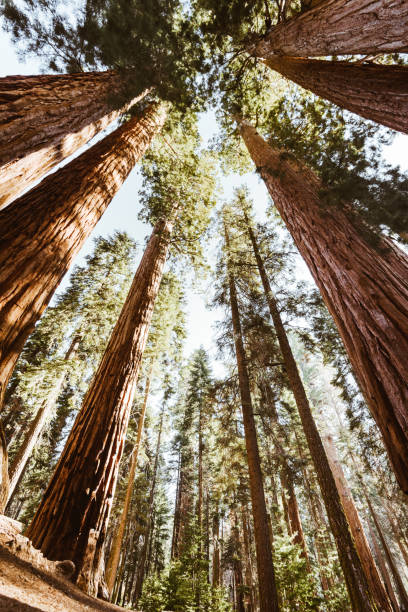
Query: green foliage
{"type": "Point", "coordinates": [177, 173]}
{"type": "Point", "coordinates": [295, 584]}
{"type": "Point", "coordinates": [153, 43]}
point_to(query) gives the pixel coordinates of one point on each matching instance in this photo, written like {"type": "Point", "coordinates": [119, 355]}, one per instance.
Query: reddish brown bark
{"type": "Point", "coordinates": [364, 287]}
{"type": "Point", "coordinates": [374, 91]}
{"type": "Point", "coordinates": [358, 587]}
{"type": "Point", "coordinates": [113, 561]}
{"type": "Point", "coordinates": [356, 527]}
{"type": "Point", "coordinates": [78, 499]}
{"type": "Point", "coordinates": [45, 118]}
{"type": "Point", "coordinates": [383, 568]}
{"type": "Point", "coordinates": [336, 27]}
{"type": "Point", "coordinates": [268, 597]}
{"type": "Point", "coordinates": [42, 231]}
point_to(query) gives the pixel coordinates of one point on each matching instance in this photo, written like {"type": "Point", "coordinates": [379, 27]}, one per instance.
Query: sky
{"type": "Point", "coordinates": [122, 212]}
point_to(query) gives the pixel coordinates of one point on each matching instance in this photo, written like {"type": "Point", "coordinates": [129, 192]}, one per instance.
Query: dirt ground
{"type": "Point", "coordinates": [24, 588]}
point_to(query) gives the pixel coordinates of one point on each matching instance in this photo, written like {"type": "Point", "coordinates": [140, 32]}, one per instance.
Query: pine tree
{"type": "Point", "coordinates": [346, 289]}
{"type": "Point", "coordinates": [267, 587]}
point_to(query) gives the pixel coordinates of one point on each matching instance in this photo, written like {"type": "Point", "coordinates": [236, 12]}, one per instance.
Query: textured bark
{"type": "Point", "coordinates": [374, 91]}
{"type": "Point", "coordinates": [356, 527]}
{"type": "Point", "coordinates": [364, 287]}
{"type": "Point", "coordinates": [79, 496]}
{"type": "Point", "coordinates": [31, 438]}
{"type": "Point", "coordinates": [336, 27]}
{"type": "Point", "coordinates": [113, 561]}
{"type": "Point", "coordinates": [268, 597]}
{"type": "Point", "coordinates": [216, 557]}
{"type": "Point", "coordinates": [45, 118]}
{"type": "Point", "coordinates": [42, 231]}
{"type": "Point", "coordinates": [356, 581]}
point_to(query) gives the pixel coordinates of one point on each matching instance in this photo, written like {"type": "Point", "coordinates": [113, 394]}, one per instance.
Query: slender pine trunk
{"type": "Point", "coordinates": [268, 597]}
{"type": "Point", "coordinates": [113, 561]}
{"type": "Point", "coordinates": [335, 27]}
{"type": "Point", "coordinates": [76, 505]}
{"type": "Point", "coordinates": [357, 582]}
{"type": "Point", "coordinates": [383, 568]}
{"type": "Point", "coordinates": [365, 288]}
{"type": "Point", "coordinates": [143, 555]}
{"type": "Point", "coordinates": [402, 592]}
{"type": "Point", "coordinates": [356, 527]}
{"type": "Point", "coordinates": [18, 466]}
{"type": "Point", "coordinates": [373, 91]}
{"type": "Point", "coordinates": [46, 118]}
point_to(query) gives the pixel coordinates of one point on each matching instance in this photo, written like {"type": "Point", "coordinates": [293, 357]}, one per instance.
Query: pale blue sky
{"type": "Point", "coordinates": [122, 213]}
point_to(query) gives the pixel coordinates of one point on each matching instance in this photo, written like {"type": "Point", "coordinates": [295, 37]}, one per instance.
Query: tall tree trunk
{"type": "Point", "coordinates": [361, 596]}
{"type": "Point", "coordinates": [78, 499]}
{"type": "Point", "coordinates": [248, 560]}
{"type": "Point", "coordinates": [403, 595]}
{"type": "Point", "coordinates": [44, 229]}
{"type": "Point", "coordinates": [200, 479]}
{"type": "Point", "coordinates": [383, 568]}
{"type": "Point", "coordinates": [374, 91]}
{"type": "Point", "coordinates": [113, 561]}
{"type": "Point", "coordinates": [268, 597]}
{"type": "Point", "coordinates": [216, 564]}
{"type": "Point", "coordinates": [335, 27]}
{"type": "Point", "coordinates": [30, 440]}
{"type": "Point", "coordinates": [356, 527]}
{"type": "Point", "coordinates": [364, 287]}
{"type": "Point", "coordinates": [46, 118]}
{"type": "Point", "coordinates": [143, 555]}
{"type": "Point", "coordinates": [237, 566]}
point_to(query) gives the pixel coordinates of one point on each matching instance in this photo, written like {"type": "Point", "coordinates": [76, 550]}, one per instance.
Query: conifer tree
{"type": "Point", "coordinates": [267, 587]}
{"type": "Point", "coordinates": [351, 292]}
{"type": "Point", "coordinates": [99, 431]}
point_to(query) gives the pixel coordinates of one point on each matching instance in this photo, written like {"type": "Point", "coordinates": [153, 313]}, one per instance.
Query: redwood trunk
{"type": "Point", "coordinates": [383, 568]}
{"type": "Point", "coordinates": [364, 287]}
{"type": "Point", "coordinates": [45, 118]}
{"type": "Point", "coordinates": [113, 561]}
{"type": "Point", "coordinates": [30, 439]}
{"type": "Point", "coordinates": [374, 91]}
{"type": "Point", "coordinates": [78, 499]}
{"type": "Point", "coordinates": [356, 527]}
{"type": "Point", "coordinates": [42, 231]}
{"type": "Point", "coordinates": [268, 597]}
{"type": "Point", "coordinates": [336, 27]}
{"type": "Point", "coordinates": [360, 595]}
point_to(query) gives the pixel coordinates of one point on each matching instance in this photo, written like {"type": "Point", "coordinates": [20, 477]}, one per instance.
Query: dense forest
{"type": "Point", "coordinates": [271, 473]}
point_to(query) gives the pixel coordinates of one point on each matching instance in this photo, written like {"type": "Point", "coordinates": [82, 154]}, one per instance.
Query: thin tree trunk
{"type": "Point", "coordinates": [356, 526]}
{"type": "Point", "coordinates": [383, 568]}
{"type": "Point", "coordinates": [143, 555]}
{"type": "Point", "coordinates": [18, 466]}
{"type": "Point", "coordinates": [397, 533]}
{"type": "Point", "coordinates": [364, 287]}
{"type": "Point", "coordinates": [373, 91]}
{"type": "Point", "coordinates": [248, 560]}
{"type": "Point", "coordinates": [237, 567]}
{"type": "Point", "coordinates": [361, 596]}
{"type": "Point", "coordinates": [216, 565]}
{"type": "Point", "coordinates": [112, 565]}
{"type": "Point", "coordinates": [46, 118]}
{"type": "Point", "coordinates": [200, 480]}
{"type": "Point", "coordinates": [79, 496]}
{"type": "Point", "coordinates": [268, 597]}
{"type": "Point", "coordinates": [403, 595]}
{"type": "Point", "coordinates": [335, 27]}
{"type": "Point", "coordinates": [42, 231]}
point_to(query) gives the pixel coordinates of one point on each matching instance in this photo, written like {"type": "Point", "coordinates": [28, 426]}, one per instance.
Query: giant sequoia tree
{"type": "Point", "coordinates": [41, 236]}
{"type": "Point", "coordinates": [353, 288]}
{"type": "Point", "coordinates": [90, 460]}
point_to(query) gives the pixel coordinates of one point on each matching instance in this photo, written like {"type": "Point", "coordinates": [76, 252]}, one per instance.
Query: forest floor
{"type": "Point", "coordinates": [31, 583]}
{"type": "Point", "coordinates": [25, 588]}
